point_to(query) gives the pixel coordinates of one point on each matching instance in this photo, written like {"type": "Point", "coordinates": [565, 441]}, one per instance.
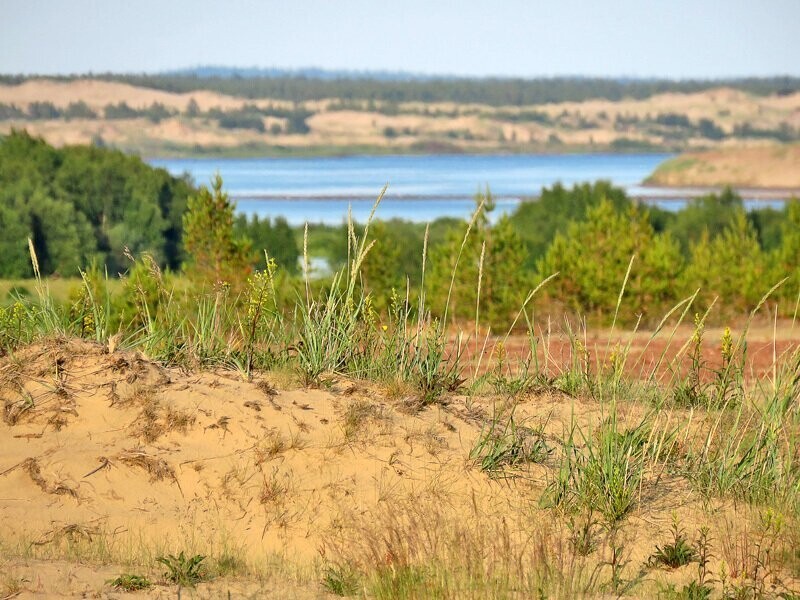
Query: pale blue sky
{"type": "Point", "coordinates": [662, 38]}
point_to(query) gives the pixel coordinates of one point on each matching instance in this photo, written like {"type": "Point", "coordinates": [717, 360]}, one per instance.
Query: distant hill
{"type": "Point", "coordinates": [775, 166]}
{"type": "Point", "coordinates": [184, 115]}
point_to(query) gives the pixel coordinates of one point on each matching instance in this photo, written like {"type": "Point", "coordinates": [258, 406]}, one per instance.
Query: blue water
{"type": "Point", "coordinates": [421, 188]}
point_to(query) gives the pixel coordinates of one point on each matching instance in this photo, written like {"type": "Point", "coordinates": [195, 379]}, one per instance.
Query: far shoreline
{"type": "Point", "coordinates": [240, 152]}
{"type": "Point", "coordinates": [664, 192]}
{"type": "Point", "coordinates": [697, 191]}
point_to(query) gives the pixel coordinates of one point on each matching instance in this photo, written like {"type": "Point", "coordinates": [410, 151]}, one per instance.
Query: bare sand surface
{"type": "Point", "coordinates": [110, 460]}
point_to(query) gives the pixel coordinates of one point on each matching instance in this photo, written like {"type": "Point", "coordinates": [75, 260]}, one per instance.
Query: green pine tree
{"type": "Point", "coordinates": [215, 254]}
{"type": "Point", "coordinates": [592, 258]}
{"type": "Point", "coordinates": [499, 275]}
{"type": "Point", "coordinates": [731, 266]}
{"type": "Point", "coordinates": [787, 260]}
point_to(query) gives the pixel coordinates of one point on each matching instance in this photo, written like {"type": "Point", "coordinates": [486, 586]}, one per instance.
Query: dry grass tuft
{"type": "Point", "coordinates": [274, 490]}
{"type": "Point", "coordinates": [147, 425]}
{"type": "Point", "coordinates": [14, 410]}
{"type": "Point", "coordinates": [33, 469]}
{"type": "Point", "coordinates": [270, 446]}
{"type": "Point", "coordinates": [466, 552]}
{"type": "Point", "coordinates": [361, 413]}
{"type": "Point", "coordinates": [178, 420]}
{"type": "Point", "coordinates": [157, 468]}
{"type": "Point", "coordinates": [156, 419]}
{"type": "Point", "coordinates": [72, 533]}
{"type": "Point", "coordinates": [266, 388]}
{"type": "Point", "coordinates": [58, 420]}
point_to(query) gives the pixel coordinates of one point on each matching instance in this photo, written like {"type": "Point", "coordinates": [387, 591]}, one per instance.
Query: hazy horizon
{"type": "Point", "coordinates": [626, 39]}
{"type": "Point", "coordinates": [388, 74]}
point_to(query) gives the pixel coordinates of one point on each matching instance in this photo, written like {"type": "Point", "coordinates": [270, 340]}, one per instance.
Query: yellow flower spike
{"type": "Point", "coordinates": [727, 345]}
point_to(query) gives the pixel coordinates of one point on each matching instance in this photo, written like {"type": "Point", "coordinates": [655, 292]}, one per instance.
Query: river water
{"type": "Point", "coordinates": [420, 188]}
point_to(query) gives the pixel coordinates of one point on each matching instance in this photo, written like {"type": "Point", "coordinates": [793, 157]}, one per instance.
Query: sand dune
{"type": "Point", "coordinates": [98, 94]}
{"type": "Point", "coordinates": [765, 166]}
{"type": "Point", "coordinates": [467, 127]}
{"type": "Point", "coordinates": [152, 460]}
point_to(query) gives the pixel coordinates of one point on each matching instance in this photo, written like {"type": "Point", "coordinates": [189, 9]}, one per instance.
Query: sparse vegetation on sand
{"type": "Point", "coordinates": [218, 437]}
{"type": "Point", "coordinates": [193, 116]}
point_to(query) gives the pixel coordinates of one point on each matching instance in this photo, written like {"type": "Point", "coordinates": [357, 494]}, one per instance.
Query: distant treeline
{"type": "Point", "coordinates": [491, 91]}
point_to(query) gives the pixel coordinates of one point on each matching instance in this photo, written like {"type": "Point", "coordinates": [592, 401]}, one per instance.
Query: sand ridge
{"type": "Point", "coordinates": [110, 444]}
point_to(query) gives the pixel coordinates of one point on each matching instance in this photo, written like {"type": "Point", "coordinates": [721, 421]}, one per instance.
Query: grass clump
{"type": "Point", "coordinates": [434, 371]}
{"type": "Point", "coordinates": [228, 564]}
{"type": "Point", "coordinates": [405, 582]}
{"type": "Point", "coordinates": [691, 591]}
{"type": "Point", "coordinates": [712, 388]}
{"type": "Point", "coordinates": [584, 537]}
{"type": "Point", "coordinates": [605, 470]}
{"type": "Point", "coordinates": [340, 581]}
{"type": "Point", "coordinates": [129, 582]}
{"type": "Point", "coordinates": [186, 571]}
{"type": "Point", "coordinates": [504, 443]}
{"type": "Point", "coordinates": [678, 552]}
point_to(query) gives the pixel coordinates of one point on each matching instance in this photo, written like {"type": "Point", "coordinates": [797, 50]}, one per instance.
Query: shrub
{"type": "Point", "coordinates": [677, 553]}
{"type": "Point", "coordinates": [731, 266]}
{"type": "Point", "coordinates": [476, 274]}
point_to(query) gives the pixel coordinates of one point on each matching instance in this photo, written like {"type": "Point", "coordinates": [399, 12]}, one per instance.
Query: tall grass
{"type": "Point", "coordinates": [606, 468]}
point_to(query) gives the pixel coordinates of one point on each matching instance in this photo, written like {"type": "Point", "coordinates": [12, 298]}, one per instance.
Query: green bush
{"type": "Point", "coordinates": [539, 220]}
{"type": "Point", "coordinates": [216, 254]}
{"type": "Point", "coordinates": [82, 202]}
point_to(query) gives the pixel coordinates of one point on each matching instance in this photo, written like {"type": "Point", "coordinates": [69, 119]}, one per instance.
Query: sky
{"type": "Point", "coordinates": [615, 38]}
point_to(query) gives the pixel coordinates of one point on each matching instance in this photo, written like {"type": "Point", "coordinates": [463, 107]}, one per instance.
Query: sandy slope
{"type": "Point", "coordinates": [770, 166]}
{"type": "Point", "coordinates": [109, 460]}
{"type": "Point", "coordinates": [99, 445]}
{"type": "Point", "coordinates": [97, 94]}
